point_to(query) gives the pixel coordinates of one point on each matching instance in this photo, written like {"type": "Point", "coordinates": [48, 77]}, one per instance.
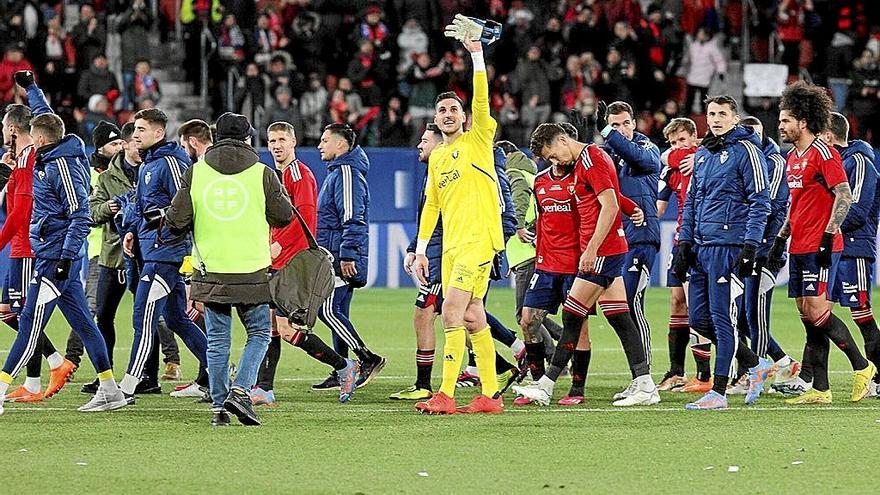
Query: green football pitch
{"type": "Point", "coordinates": [312, 444]}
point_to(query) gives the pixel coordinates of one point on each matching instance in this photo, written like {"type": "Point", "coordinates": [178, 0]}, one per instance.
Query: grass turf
{"type": "Point", "coordinates": [312, 444]}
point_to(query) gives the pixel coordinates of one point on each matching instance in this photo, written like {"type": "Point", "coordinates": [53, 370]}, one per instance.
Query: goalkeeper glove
{"type": "Point", "coordinates": [465, 28]}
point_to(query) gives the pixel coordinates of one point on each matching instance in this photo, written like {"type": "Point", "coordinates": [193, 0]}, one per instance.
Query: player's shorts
{"type": "Point", "coordinates": [671, 279]}
{"type": "Point", "coordinates": [607, 269]}
{"type": "Point", "coordinates": [467, 268]}
{"type": "Point", "coordinates": [18, 277]}
{"type": "Point", "coordinates": [547, 290]}
{"type": "Point", "coordinates": [807, 279]}
{"type": "Point", "coordinates": [430, 296]}
{"type": "Point", "coordinates": [852, 285]}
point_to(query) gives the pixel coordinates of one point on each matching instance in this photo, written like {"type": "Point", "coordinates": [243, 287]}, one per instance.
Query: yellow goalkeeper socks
{"type": "Point", "coordinates": [453, 353]}
{"type": "Point", "coordinates": [484, 355]}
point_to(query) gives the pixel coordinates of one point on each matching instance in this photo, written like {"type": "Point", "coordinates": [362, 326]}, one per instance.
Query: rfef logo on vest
{"type": "Point", "coordinates": [226, 199]}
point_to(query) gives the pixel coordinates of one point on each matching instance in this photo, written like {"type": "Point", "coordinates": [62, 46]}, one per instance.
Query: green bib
{"type": "Point", "coordinates": [519, 252]}
{"type": "Point", "coordinates": [230, 230]}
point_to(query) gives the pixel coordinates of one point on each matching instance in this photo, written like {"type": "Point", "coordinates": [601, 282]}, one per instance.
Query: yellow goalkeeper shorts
{"type": "Point", "coordinates": [468, 268]}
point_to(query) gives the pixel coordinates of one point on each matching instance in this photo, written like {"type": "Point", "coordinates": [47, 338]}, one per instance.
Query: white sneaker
{"type": "Point", "coordinates": [792, 388]}
{"type": "Point", "coordinates": [534, 392]}
{"type": "Point", "coordinates": [193, 390]}
{"type": "Point", "coordinates": [788, 372]}
{"type": "Point", "coordinates": [740, 387]}
{"type": "Point", "coordinates": [103, 402]}
{"type": "Point", "coordinates": [629, 390]}
{"type": "Point", "coordinates": [873, 390]}
{"type": "Point", "coordinates": [643, 392]}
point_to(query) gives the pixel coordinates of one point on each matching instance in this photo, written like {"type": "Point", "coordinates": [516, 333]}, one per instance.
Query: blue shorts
{"type": "Point", "coordinates": [607, 269]}
{"type": "Point", "coordinates": [671, 279]}
{"type": "Point", "coordinates": [430, 296]}
{"type": "Point", "coordinates": [18, 275]}
{"type": "Point", "coordinates": [547, 291]}
{"type": "Point", "coordinates": [852, 285]}
{"type": "Point", "coordinates": [806, 279]}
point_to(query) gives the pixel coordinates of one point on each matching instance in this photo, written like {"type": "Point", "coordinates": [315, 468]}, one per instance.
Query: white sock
{"type": "Point", "coordinates": [3, 388]}
{"type": "Point", "coordinates": [784, 361]}
{"type": "Point", "coordinates": [32, 384]}
{"type": "Point", "coordinates": [55, 360]}
{"type": "Point", "coordinates": [517, 347]}
{"type": "Point", "coordinates": [109, 386]}
{"type": "Point", "coordinates": [127, 384]}
{"type": "Point", "coordinates": [473, 370]}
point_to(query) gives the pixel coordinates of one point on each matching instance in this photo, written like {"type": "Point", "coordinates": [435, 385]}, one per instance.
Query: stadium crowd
{"type": "Point", "coordinates": [377, 65]}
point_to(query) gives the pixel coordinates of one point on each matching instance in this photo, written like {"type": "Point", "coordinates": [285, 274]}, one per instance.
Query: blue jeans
{"type": "Point", "coordinates": [218, 319]}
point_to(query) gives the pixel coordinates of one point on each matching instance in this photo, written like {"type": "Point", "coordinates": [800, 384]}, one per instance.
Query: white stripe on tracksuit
{"type": "Point", "coordinates": [67, 182]}
{"type": "Point", "coordinates": [158, 290]}
{"type": "Point", "coordinates": [736, 290]}
{"type": "Point", "coordinates": [763, 317]}
{"type": "Point", "coordinates": [639, 311]}
{"type": "Point", "coordinates": [347, 203]}
{"type": "Point", "coordinates": [337, 326]}
{"type": "Point", "coordinates": [46, 293]}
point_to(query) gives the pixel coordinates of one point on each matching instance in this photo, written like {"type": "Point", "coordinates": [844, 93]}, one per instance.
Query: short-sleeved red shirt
{"type": "Point", "coordinates": [19, 203]}
{"type": "Point", "coordinates": [594, 172]}
{"type": "Point", "coordinates": [558, 243]}
{"type": "Point", "coordinates": [299, 182]}
{"type": "Point", "coordinates": [811, 177]}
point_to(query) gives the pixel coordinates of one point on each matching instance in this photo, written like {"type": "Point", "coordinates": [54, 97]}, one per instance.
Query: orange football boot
{"type": "Point", "coordinates": [58, 378]}
{"type": "Point", "coordinates": [483, 404]}
{"type": "Point", "coordinates": [439, 403]}
{"type": "Point", "coordinates": [22, 394]}
{"type": "Point", "coordinates": [696, 386]}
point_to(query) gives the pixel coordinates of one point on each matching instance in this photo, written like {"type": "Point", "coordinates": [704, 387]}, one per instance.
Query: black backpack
{"type": "Point", "coordinates": [302, 286]}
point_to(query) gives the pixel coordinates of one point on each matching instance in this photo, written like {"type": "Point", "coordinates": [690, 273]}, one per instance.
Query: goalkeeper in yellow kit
{"type": "Point", "coordinates": [462, 188]}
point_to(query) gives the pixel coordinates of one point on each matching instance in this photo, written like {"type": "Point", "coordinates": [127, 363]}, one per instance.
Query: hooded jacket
{"type": "Point", "coordinates": [113, 182]}
{"type": "Point", "coordinates": [158, 181]}
{"type": "Point", "coordinates": [638, 171]}
{"type": "Point", "coordinates": [778, 192]}
{"type": "Point", "coordinates": [859, 228]}
{"type": "Point", "coordinates": [728, 202]}
{"type": "Point", "coordinates": [344, 213]}
{"type": "Point", "coordinates": [60, 220]}
{"type": "Point", "coordinates": [229, 157]}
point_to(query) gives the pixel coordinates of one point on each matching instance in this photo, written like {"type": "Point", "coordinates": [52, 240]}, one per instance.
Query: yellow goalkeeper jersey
{"type": "Point", "coordinates": [462, 185]}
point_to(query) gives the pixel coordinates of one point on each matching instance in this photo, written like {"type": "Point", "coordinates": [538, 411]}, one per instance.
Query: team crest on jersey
{"type": "Point", "coordinates": [647, 144]}
{"type": "Point", "coordinates": [571, 189]}
{"type": "Point", "coordinates": [455, 155]}
{"type": "Point", "coordinates": [702, 159]}
{"type": "Point", "coordinates": [724, 156]}
{"type": "Point", "coordinates": [41, 174]}
{"type": "Point", "coordinates": [147, 177]}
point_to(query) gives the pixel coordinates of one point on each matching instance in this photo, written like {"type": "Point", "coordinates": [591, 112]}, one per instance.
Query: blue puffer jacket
{"type": "Point", "coordinates": [158, 182]}
{"type": "Point", "coordinates": [344, 213]}
{"type": "Point", "coordinates": [60, 221]}
{"type": "Point", "coordinates": [860, 226]}
{"type": "Point", "coordinates": [728, 202]}
{"type": "Point", "coordinates": [776, 173]}
{"type": "Point", "coordinates": [638, 170]}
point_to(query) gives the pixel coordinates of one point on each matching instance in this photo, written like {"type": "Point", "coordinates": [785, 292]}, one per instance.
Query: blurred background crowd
{"type": "Point", "coordinates": [378, 65]}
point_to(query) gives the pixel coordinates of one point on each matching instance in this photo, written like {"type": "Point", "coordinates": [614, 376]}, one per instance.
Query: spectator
{"type": "Point", "coordinates": [281, 74]}
{"type": "Point", "coordinates": [516, 39]}
{"type": "Point", "coordinates": [586, 106]}
{"type": "Point", "coordinates": [704, 59]}
{"type": "Point", "coordinates": [838, 64]}
{"type": "Point", "coordinates": [89, 36]}
{"type": "Point", "coordinates": [55, 43]}
{"type": "Point", "coordinates": [313, 108]}
{"type": "Point", "coordinates": [661, 117]}
{"type": "Point", "coordinates": [424, 81]}
{"type": "Point", "coordinates": [625, 41]}
{"type": "Point", "coordinates": [411, 41]}
{"type": "Point", "coordinates": [372, 28]}
{"type": "Point", "coordinates": [509, 121]}
{"type": "Point", "coordinates": [618, 78]}
{"type": "Point", "coordinates": [395, 129]}
{"type": "Point", "coordinates": [133, 26]}
{"type": "Point", "coordinates": [250, 94]}
{"type": "Point", "coordinates": [98, 80]}
{"type": "Point", "coordinates": [574, 81]}
{"type": "Point", "coordinates": [145, 86]}
{"type": "Point", "coordinates": [338, 107]}
{"type": "Point", "coordinates": [13, 61]}
{"type": "Point", "coordinates": [98, 110]}
{"type": "Point", "coordinates": [534, 88]}
{"type": "Point", "coordinates": [231, 41]}
{"type": "Point", "coordinates": [307, 43]}
{"type": "Point", "coordinates": [365, 71]}
{"type": "Point", "coordinates": [354, 106]}
{"type": "Point", "coordinates": [282, 109]}
{"type": "Point", "coordinates": [864, 98]}
{"type": "Point", "coordinates": [268, 39]}
{"type": "Point", "coordinates": [589, 34]}
{"type": "Point", "coordinates": [13, 31]}
{"type": "Point", "coordinates": [790, 28]}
